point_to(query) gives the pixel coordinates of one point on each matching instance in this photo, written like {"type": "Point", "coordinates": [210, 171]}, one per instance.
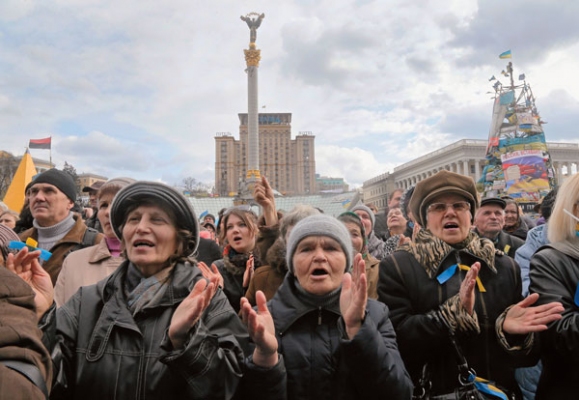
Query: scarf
{"type": "Point", "coordinates": [235, 263]}
{"type": "Point", "coordinates": [141, 291]}
{"type": "Point", "coordinates": [114, 246]}
{"type": "Point", "coordinates": [430, 250]}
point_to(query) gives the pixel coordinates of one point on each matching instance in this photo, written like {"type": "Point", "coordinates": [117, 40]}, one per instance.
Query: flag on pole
{"type": "Point", "coordinates": [40, 143]}
{"type": "Point", "coordinates": [506, 54]}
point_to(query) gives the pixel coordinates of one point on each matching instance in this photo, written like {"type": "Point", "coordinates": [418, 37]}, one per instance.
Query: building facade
{"type": "Point", "coordinates": [88, 180]}
{"type": "Point", "coordinates": [466, 157]}
{"type": "Point", "coordinates": [289, 165]}
{"type": "Point", "coordinates": [327, 184]}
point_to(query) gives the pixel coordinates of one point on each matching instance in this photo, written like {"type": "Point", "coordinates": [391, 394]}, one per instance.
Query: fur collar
{"type": "Point", "coordinates": [275, 256]}
{"type": "Point", "coordinates": [430, 251]}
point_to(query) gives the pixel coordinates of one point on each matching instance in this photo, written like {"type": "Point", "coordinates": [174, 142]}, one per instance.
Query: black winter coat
{"type": "Point", "coordinates": [414, 300]}
{"type": "Point", "coordinates": [507, 243]}
{"type": "Point", "coordinates": [103, 352]}
{"type": "Point", "coordinates": [322, 363]}
{"type": "Point", "coordinates": [555, 276]}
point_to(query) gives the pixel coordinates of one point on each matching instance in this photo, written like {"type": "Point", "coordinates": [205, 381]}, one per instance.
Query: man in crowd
{"type": "Point", "coordinates": [91, 220]}
{"type": "Point", "coordinates": [55, 228]}
{"type": "Point", "coordinates": [489, 221]}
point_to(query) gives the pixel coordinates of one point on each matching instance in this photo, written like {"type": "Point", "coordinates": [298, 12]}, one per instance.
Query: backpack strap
{"type": "Point", "coordinates": [30, 371]}
{"type": "Point", "coordinates": [89, 237]}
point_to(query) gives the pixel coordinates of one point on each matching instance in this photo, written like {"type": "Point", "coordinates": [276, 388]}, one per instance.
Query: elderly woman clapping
{"type": "Point", "coordinates": [335, 343]}
{"type": "Point", "coordinates": [155, 328]}
{"type": "Point", "coordinates": [450, 281]}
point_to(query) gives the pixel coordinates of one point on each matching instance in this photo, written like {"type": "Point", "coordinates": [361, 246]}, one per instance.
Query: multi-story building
{"type": "Point", "coordinates": [465, 157]}
{"type": "Point", "coordinates": [87, 179]}
{"type": "Point", "coordinates": [326, 184]}
{"type": "Point", "coordinates": [289, 164]}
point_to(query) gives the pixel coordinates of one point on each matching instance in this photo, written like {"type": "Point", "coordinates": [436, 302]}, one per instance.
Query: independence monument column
{"type": "Point", "coordinates": [252, 57]}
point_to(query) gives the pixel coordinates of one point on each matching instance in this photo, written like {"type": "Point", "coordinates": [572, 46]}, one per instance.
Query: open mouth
{"type": "Point", "coordinates": [143, 243]}
{"type": "Point", "coordinates": [451, 225]}
{"type": "Point", "coordinates": [319, 272]}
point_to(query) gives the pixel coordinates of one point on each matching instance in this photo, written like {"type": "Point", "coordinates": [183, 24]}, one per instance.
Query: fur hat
{"type": "Point", "coordinates": [62, 180]}
{"type": "Point", "coordinates": [366, 209]}
{"type": "Point", "coordinates": [319, 225]}
{"type": "Point", "coordinates": [443, 182]}
{"type": "Point", "coordinates": [159, 193]}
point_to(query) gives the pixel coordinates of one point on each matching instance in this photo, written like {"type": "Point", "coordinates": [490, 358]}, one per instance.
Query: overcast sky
{"type": "Point", "coordinates": [140, 87]}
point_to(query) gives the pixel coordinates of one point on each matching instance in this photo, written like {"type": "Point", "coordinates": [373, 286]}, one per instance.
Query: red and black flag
{"type": "Point", "coordinates": [40, 143]}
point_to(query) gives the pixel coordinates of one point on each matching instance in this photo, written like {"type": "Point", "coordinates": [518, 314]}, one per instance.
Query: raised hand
{"type": "Point", "coordinates": [466, 292]}
{"type": "Point", "coordinates": [263, 195]}
{"type": "Point", "coordinates": [212, 273]}
{"type": "Point", "coordinates": [249, 270]}
{"type": "Point", "coordinates": [25, 264]}
{"type": "Point", "coordinates": [190, 311]}
{"type": "Point", "coordinates": [354, 297]}
{"type": "Point", "coordinates": [522, 319]}
{"type": "Point", "coordinates": [261, 330]}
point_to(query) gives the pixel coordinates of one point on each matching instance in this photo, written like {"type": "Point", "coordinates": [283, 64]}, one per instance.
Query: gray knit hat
{"type": "Point", "coordinates": [62, 180]}
{"type": "Point", "coordinates": [165, 196]}
{"type": "Point", "coordinates": [366, 209]}
{"type": "Point", "coordinates": [319, 225]}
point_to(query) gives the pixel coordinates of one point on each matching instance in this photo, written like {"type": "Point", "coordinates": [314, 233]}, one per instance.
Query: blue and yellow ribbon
{"type": "Point", "coordinates": [450, 271]}
{"type": "Point", "coordinates": [488, 388]}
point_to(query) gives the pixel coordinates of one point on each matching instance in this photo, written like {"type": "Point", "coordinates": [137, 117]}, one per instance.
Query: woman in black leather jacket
{"type": "Point", "coordinates": [155, 328]}
{"type": "Point", "coordinates": [554, 274]}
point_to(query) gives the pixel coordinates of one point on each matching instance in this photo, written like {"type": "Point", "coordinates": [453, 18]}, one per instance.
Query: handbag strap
{"type": "Point", "coordinates": [466, 374]}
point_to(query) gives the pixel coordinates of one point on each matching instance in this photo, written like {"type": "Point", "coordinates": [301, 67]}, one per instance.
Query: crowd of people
{"type": "Point", "coordinates": [139, 297]}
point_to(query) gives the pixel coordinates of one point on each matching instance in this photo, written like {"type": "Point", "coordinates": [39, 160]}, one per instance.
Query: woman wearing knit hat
{"type": "Point", "coordinates": [360, 245]}
{"type": "Point", "coordinates": [335, 343]}
{"type": "Point", "coordinates": [269, 277]}
{"type": "Point", "coordinates": [450, 281]}
{"type": "Point", "coordinates": [155, 328]}
{"type": "Point", "coordinates": [375, 244]}
{"type": "Point", "coordinates": [89, 265]}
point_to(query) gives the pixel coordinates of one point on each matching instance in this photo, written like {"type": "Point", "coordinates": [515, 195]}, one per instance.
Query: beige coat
{"type": "Point", "coordinates": [82, 268]}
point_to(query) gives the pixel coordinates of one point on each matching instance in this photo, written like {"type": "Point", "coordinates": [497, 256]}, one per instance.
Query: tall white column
{"type": "Point", "coordinates": [252, 122]}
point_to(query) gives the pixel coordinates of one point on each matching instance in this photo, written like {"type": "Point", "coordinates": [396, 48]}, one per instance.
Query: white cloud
{"type": "Point", "coordinates": [141, 87]}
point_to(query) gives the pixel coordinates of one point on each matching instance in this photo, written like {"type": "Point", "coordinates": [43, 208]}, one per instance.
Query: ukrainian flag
{"type": "Point", "coordinates": [506, 54]}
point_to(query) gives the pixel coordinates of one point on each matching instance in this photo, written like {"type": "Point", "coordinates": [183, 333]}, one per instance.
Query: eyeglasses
{"type": "Point", "coordinates": [459, 206]}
